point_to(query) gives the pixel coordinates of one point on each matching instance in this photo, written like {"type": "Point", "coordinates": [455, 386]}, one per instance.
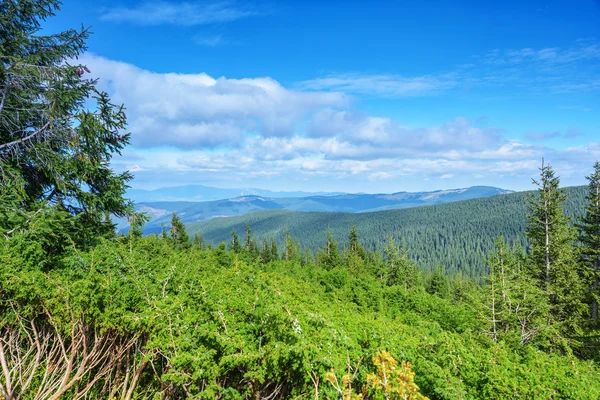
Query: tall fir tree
{"type": "Point", "coordinates": [355, 254]}
{"type": "Point", "coordinates": [179, 236]}
{"type": "Point", "coordinates": [58, 132]}
{"type": "Point", "coordinates": [400, 269]}
{"type": "Point", "coordinates": [291, 248]}
{"type": "Point", "coordinates": [274, 250]}
{"type": "Point", "coordinates": [589, 237]}
{"type": "Point", "coordinates": [235, 245]}
{"type": "Point", "coordinates": [250, 246]}
{"type": "Point", "coordinates": [329, 256]}
{"type": "Point", "coordinates": [553, 261]}
{"type": "Point", "coordinates": [199, 242]}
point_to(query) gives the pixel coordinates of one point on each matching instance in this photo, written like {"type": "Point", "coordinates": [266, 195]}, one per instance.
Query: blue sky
{"type": "Point", "coordinates": [346, 95]}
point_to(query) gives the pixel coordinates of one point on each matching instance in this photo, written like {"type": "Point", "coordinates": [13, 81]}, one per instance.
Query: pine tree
{"type": "Point", "coordinates": [274, 250]}
{"type": "Point", "coordinates": [329, 257]}
{"type": "Point", "coordinates": [265, 254]}
{"type": "Point", "coordinates": [179, 236]}
{"type": "Point", "coordinates": [356, 254]}
{"type": "Point", "coordinates": [400, 269]}
{"type": "Point", "coordinates": [438, 283]}
{"type": "Point", "coordinates": [291, 248]}
{"type": "Point", "coordinates": [58, 132]}
{"type": "Point", "coordinates": [551, 254]}
{"type": "Point", "coordinates": [199, 242]}
{"type": "Point", "coordinates": [589, 237]}
{"type": "Point", "coordinates": [235, 245]}
{"type": "Point", "coordinates": [250, 246]}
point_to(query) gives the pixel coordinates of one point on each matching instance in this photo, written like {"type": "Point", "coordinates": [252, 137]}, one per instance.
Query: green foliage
{"type": "Point", "coordinates": [457, 235]}
{"type": "Point", "coordinates": [178, 235]}
{"type": "Point", "coordinates": [86, 314]}
{"type": "Point", "coordinates": [216, 326]}
{"type": "Point", "coordinates": [551, 255]}
{"type": "Point", "coordinates": [329, 257]}
{"type": "Point", "coordinates": [438, 283]}
{"type": "Point", "coordinates": [589, 237]}
{"type": "Point", "coordinates": [54, 152]}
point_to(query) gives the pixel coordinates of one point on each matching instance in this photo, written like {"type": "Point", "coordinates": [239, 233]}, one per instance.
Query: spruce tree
{"type": "Point", "coordinates": [58, 132]}
{"type": "Point", "coordinates": [400, 269]}
{"type": "Point", "coordinates": [329, 257]}
{"type": "Point", "coordinates": [199, 242]}
{"type": "Point", "coordinates": [274, 250]}
{"type": "Point", "coordinates": [589, 237]}
{"type": "Point", "coordinates": [235, 245]}
{"type": "Point", "coordinates": [551, 253]}
{"type": "Point", "coordinates": [356, 254]}
{"type": "Point", "coordinates": [179, 235]}
{"type": "Point", "coordinates": [291, 248]}
{"type": "Point", "coordinates": [265, 254]}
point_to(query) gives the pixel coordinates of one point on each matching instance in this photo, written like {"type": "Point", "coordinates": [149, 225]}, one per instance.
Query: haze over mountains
{"type": "Point", "coordinates": [190, 211]}
{"type": "Point", "coordinates": [207, 193]}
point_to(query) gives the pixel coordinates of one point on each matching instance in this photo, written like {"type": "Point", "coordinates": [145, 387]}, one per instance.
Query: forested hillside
{"type": "Point", "coordinates": [188, 212]}
{"type": "Point", "coordinates": [456, 235]}
{"type": "Point", "coordinates": [89, 314]}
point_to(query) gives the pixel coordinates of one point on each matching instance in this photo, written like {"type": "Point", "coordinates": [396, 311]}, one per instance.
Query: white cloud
{"type": "Point", "coordinates": [176, 13]}
{"type": "Point", "coordinates": [380, 137]}
{"type": "Point", "coordinates": [383, 84]}
{"type": "Point", "coordinates": [557, 70]}
{"type": "Point", "coordinates": [240, 130]}
{"type": "Point", "coordinates": [197, 110]}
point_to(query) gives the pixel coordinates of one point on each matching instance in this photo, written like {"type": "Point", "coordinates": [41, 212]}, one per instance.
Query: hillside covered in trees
{"type": "Point", "coordinates": [194, 211]}
{"type": "Point", "coordinates": [89, 314]}
{"type": "Point", "coordinates": [456, 235]}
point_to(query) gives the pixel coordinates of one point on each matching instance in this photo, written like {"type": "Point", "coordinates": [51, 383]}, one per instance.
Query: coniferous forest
{"type": "Point", "coordinates": [457, 235]}
{"type": "Point", "coordinates": [86, 313]}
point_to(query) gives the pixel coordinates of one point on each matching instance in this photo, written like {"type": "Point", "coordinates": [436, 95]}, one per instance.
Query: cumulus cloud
{"type": "Point", "coordinates": [197, 110]}
{"type": "Point", "coordinates": [176, 13]}
{"type": "Point", "coordinates": [255, 128]}
{"type": "Point", "coordinates": [386, 134]}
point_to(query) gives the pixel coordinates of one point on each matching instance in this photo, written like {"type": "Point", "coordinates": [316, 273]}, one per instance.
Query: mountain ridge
{"type": "Point", "coordinates": [190, 212]}
{"type": "Point", "coordinates": [458, 235]}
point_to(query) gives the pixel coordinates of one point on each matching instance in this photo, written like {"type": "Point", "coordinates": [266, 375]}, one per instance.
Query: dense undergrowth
{"type": "Point", "coordinates": [211, 323]}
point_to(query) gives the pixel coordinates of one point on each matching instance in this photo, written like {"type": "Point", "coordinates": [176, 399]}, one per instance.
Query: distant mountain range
{"type": "Point", "coordinates": [189, 212]}
{"type": "Point", "coordinates": [207, 193]}
{"type": "Point", "coordinates": [457, 235]}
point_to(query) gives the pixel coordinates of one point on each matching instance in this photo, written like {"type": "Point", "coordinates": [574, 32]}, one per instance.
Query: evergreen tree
{"type": "Point", "coordinates": [265, 254]}
{"type": "Point", "coordinates": [518, 306]}
{"type": "Point", "coordinates": [291, 248]}
{"type": "Point", "coordinates": [356, 254]}
{"type": "Point", "coordinates": [235, 245]}
{"type": "Point", "coordinates": [589, 237]}
{"type": "Point", "coordinates": [329, 257]}
{"type": "Point", "coordinates": [54, 151]}
{"type": "Point", "coordinates": [274, 250]}
{"type": "Point", "coordinates": [199, 242]}
{"type": "Point", "coordinates": [551, 254]}
{"type": "Point", "coordinates": [250, 246]}
{"type": "Point", "coordinates": [438, 283]}
{"type": "Point", "coordinates": [400, 269]}
{"type": "Point", "coordinates": [179, 236]}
